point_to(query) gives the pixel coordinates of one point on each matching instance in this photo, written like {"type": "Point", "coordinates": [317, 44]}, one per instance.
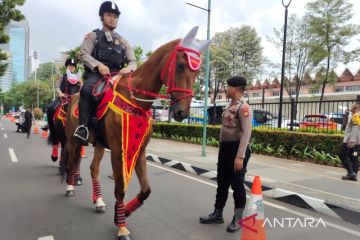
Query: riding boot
{"type": "Point", "coordinates": [234, 224]}
{"type": "Point", "coordinates": [215, 217]}
{"type": "Point", "coordinates": [82, 133]}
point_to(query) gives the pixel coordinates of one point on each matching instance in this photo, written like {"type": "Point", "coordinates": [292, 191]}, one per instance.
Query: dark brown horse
{"type": "Point", "coordinates": [174, 65]}
{"type": "Point", "coordinates": [57, 136]}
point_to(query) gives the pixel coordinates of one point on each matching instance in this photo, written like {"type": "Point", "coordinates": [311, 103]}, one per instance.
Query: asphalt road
{"type": "Point", "coordinates": [33, 203]}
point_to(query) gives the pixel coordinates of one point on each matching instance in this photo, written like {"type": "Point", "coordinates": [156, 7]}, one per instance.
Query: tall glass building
{"type": "Point", "coordinates": [18, 49]}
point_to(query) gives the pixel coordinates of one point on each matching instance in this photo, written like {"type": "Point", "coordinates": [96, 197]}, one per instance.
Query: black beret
{"type": "Point", "coordinates": [358, 99]}
{"type": "Point", "coordinates": [237, 81]}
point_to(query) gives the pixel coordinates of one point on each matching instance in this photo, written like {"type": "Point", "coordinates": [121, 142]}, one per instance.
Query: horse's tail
{"type": "Point", "coordinates": [63, 164]}
{"type": "Point", "coordinates": [53, 138]}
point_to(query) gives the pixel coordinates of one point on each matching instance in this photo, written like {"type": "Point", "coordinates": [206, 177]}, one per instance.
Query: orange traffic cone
{"type": "Point", "coordinates": [253, 224]}
{"type": "Point", "coordinates": [36, 130]}
{"type": "Point", "coordinates": [82, 152]}
{"type": "Point", "coordinates": [44, 134]}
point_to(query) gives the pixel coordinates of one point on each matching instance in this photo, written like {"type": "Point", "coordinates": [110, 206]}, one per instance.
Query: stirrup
{"type": "Point", "coordinates": [80, 137]}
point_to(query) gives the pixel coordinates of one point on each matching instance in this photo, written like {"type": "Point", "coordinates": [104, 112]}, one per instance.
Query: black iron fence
{"type": "Point", "coordinates": [297, 116]}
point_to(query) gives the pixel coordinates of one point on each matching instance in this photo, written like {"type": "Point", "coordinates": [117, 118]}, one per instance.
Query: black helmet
{"type": "Point", "coordinates": [109, 6]}
{"type": "Point", "coordinates": [70, 61]}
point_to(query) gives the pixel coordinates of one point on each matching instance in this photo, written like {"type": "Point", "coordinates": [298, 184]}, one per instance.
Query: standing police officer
{"type": "Point", "coordinates": [233, 154]}
{"type": "Point", "coordinates": [102, 52]}
{"type": "Point", "coordinates": [350, 148]}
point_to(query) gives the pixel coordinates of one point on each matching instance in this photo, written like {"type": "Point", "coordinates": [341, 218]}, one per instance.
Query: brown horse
{"type": "Point", "coordinates": [175, 65]}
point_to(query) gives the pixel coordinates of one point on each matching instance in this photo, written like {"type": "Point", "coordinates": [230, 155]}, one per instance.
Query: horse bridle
{"type": "Point", "coordinates": [168, 79]}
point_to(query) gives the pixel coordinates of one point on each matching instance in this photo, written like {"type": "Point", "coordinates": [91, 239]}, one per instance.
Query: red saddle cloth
{"type": "Point", "coordinates": [136, 124]}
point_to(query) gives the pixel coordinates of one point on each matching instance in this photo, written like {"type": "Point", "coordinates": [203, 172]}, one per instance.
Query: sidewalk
{"type": "Point", "coordinates": [307, 185]}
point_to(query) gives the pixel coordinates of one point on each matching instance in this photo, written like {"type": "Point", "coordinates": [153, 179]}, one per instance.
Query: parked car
{"type": "Point", "coordinates": [319, 121]}
{"type": "Point", "coordinates": [265, 118]}
{"type": "Point", "coordinates": [337, 117]}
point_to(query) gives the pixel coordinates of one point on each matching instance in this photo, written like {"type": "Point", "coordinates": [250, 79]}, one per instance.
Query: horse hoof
{"type": "Point", "coordinates": [54, 159]}
{"type": "Point", "coordinates": [101, 209]}
{"type": "Point", "coordinates": [78, 181]}
{"type": "Point", "coordinates": [127, 237]}
{"type": "Point", "coordinates": [70, 193]}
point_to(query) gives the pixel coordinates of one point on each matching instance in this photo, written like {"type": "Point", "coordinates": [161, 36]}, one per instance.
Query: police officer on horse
{"type": "Point", "coordinates": [103, 52]}
{"type": "Point", "coordinates": [65, 87]}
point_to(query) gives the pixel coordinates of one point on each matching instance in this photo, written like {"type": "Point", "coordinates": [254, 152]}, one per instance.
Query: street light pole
{"type": "Point", "coordinates": [207, 75]}
{"type": "Point", "coordinates": [37, 85]}
{"type": "Point", "coordinates": [53, 81]}
{"type": "Point", "coordinates": [283, 63]}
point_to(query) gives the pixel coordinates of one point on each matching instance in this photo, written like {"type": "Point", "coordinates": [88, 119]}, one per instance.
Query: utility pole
{"type": "Point", "coordinates": [207, 75]}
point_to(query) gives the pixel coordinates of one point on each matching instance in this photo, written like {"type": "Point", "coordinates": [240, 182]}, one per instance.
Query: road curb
{"type": "Point", "coordinates": [314, 204]}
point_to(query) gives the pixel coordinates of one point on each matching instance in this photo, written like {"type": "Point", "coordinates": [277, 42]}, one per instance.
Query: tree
{"type": "Point", "coordinates": [8, 13]}
{"type": "Point", "coordinates": [138, 52]}
{"type": "Point", "coordinates": [297, 60]}
{"type": "Point", "coordinates": [236, 51]}
{"type": "Point", "coordinates": [25, 94]}
{"type": "Point", "coordinates": [44, 72]}
{"type": "Point", "coordinates": [327, 20]}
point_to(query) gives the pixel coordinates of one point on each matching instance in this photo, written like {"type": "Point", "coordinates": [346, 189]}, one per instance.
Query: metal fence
{"type": "Point", "coordinates": [297, 116]}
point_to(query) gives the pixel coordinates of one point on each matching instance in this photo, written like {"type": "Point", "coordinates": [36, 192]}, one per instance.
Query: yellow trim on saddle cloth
{"type": "Point", "coordinates": [62, 115]}
{"type": "Point", "coordinates": [130, 156]}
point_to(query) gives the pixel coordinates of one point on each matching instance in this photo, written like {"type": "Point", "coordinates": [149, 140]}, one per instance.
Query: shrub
{"type": "Point", "coordinates": [38, 113]}
{"type": "Point", "coordinates": [316, 147]}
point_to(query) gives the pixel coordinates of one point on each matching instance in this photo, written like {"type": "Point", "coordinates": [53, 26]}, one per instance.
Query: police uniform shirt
{"type": "Point", "coordinates": [352, 130]}
{"type": "Point", "coordinates": [236, 124]}
{"type": "Point", "coordinates": [89, 43]}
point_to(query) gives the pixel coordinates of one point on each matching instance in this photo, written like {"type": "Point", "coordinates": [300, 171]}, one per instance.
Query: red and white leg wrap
{"type": "Point", "coordinates": [55, 153]}
{"type": "Point", "coordinates": [96, 191]}
{"type": "Point", "coordinates": [70, 177]}
{"type": "Point", "coordinates": [119, 218]}
{"type": "Point", "coordinates": [132, 206]}
{"type": "Point", "coordinates": [77, 171]}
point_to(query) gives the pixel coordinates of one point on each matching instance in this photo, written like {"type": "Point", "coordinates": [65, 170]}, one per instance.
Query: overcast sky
{"type": "Point", "coordinates": [61, 25]}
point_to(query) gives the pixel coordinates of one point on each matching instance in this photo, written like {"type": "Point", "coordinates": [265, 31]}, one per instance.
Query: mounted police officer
{"type": "Point", "coordinates": [103, 52]}
{"type": "Point", "coordinates": [65, 86]}
{"type": "Point", "coordinates": [234, 154]}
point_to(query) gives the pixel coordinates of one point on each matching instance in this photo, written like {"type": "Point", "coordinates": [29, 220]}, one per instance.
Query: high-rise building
{"type": "Point", "coordinates": [18, 47]}
{"type": "Point", "coordinates": [7, 79]}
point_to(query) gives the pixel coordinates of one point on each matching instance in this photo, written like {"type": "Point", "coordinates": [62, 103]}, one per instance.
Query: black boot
{"type": "Point", "coordinates": [215, 217]}
{"type": "Point", "coordinates": [82, 133]}
{"type": "Point", "coordinates": [234, 225]}
{"type": "Point", "coordinates": [350, 176]}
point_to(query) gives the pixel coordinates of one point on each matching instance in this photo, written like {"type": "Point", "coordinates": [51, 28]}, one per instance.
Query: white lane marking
{"type": "Point", "coordinates": [5, 135]}
{"type": "Point", "coordinates": [12, 155]}
{"type": "Point", "coordinates": [2, 129]}
{"type": "Point", "coordinates": [46, 238]}
{"type": "Point", "coordinates": [330, 224]}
